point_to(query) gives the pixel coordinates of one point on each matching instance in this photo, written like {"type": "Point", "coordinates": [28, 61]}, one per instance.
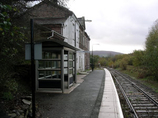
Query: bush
{"type": "Point", "coordinates": [11, 85]}
{"type": "Point", "coordinates": [123, 64]}
{"type": "Point", "coordinates": [9, 89]}
{"type": "Point", "coordinates": [142, 74]}
{"type": "Point", "coordinates": [117, 64]}
{"type": "Point", "coordinates": [7, 96]}
{"type": "Point", "coordinates": [11, 50]}
{"type": "Point", "coordinates": [138, 58]}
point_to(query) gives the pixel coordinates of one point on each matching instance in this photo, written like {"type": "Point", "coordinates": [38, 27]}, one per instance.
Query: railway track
{"type": "Point", "coordinates": [141, 102]}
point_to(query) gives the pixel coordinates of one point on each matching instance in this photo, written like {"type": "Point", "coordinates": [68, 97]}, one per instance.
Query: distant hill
{"type": "Point", "coordinates": [105, 53]}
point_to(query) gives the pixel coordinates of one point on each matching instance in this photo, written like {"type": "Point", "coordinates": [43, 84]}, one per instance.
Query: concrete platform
{"type": "Point", "coordinates": [110, 106]}
{"type": "Point", "coordinates": [79, 103]}
{"type": "Point", "coordinates": [79, 81]}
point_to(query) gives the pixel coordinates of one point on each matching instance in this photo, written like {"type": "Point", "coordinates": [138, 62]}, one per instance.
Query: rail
{"type": "Point", "coordinates": [140, 102]}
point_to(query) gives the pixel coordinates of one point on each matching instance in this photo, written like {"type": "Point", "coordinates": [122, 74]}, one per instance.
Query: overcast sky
{"type": "Point", "coordinates": [117, 25]}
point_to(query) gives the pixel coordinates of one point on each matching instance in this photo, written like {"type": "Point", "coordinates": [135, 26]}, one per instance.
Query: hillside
{"type": "Point", "coordinates": [105, 53]}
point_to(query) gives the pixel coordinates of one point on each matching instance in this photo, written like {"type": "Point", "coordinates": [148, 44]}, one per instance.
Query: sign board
{"type": "Point", "coordinates": [37, 51]}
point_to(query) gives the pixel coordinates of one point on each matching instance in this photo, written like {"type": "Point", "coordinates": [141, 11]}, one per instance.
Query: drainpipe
{"type": "Point", "coordinates": [75, 33]}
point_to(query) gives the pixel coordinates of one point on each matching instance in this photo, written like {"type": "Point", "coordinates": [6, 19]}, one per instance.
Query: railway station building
{"type": "Point", "coordinates": [64, 43]}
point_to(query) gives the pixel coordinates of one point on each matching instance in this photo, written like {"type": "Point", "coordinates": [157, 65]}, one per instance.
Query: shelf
{"type": "Point", "coordinates": [49, 69]}
{"type": "Point", "coordinates": [53, 79]}
{"type": "Point", "coordinates": [46, 76]}
{"type": "Point", "coordinates": [50, 60]}
{"type": "Point", "coordinates": [69, 60]}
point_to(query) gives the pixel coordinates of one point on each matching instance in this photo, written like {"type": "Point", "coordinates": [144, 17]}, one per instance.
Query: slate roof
{"type": "Point", "coordinates": [45, 9]}
{"type": "Point", "coordinates": [50, 20]}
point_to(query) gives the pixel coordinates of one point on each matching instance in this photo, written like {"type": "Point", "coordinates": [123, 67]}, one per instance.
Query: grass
{"type": "Point", "coordinates": [134, 73]}
{"type": "Point", "coordinates": [151, 83]}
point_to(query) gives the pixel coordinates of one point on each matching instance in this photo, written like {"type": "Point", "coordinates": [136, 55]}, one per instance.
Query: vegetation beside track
{"type": "Point", "coordinates": [135, 73]}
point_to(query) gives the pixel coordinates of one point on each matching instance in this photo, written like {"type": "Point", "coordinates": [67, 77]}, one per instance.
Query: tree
{"type": "Point", "coordinates": [151, 52]}
{"type": "Point", "coordinates": [94, 60]}
{"type": "Point", "coordinates": [11, 48]}
{"type": "Point", "coordinates": [138, 58]}
{"type": "Point", "coordinates": [102, 61]}
{"type": "Point", "coordinates": [124, 63]}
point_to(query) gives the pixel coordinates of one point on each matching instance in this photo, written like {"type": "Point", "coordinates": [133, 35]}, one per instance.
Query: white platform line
{"type": "Point", "coordinates": [110, 106]}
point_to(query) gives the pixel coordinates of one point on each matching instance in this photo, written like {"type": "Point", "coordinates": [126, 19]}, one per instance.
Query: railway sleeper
{"type": "Point", "coordinates": [147, 111]}
{"type": "Point", "coordinates": [141, 102]}
{"type": "Point", "coordinates": [145, 108]}
{"type": "Point", "coordinates": [137, 97]}
{"type": "Point", "coordinates": [148, 116]}
{"type": "Point", "coordinates": [130, 91]}
{"type": "Point", "coordinates": [140, 99]}
{"type": "Point", "coordinates": [135, 94]}
{"type": "Point", "coordinates": [141, 105]}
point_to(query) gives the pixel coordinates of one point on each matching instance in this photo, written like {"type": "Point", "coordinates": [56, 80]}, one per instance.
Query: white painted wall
{"type": "Point", "coordinates": [69, 30]}
{"type": "Point", "coordinates": [71, 26]}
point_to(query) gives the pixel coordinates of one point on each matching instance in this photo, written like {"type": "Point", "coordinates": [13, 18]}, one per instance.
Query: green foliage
{"type": "Point", "coordinates": [94, 59]}
{"type": "Point", "coordinates": [7, 96]}
{"type": "Point", "coordinates": [11, 50]}
{"type": "Point", "coordinates": [138, 58]}
{"type": "Point", "coordinates": [123, 63]}
{"type": "Point", "coordinates": [102, 61]}
{"type": "Point", "coordinates": [11, 85]}
{"type": "Point", "coordinates": [12, 39]}
{"type": "Point", "coordinates": [117, 63]}
{"type": "Point", "coordinates": [110, 63]}
{"type": "Point", "coordinates": [5, 23]}
{"type": "Point", "coordinates": [151, 52]}
{"type": "Point", "coordinates": [142, 74]}
{"type": "Point", "coordinates": [130, 59]}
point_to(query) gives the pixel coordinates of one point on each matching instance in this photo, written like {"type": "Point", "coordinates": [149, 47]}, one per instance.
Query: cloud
{"type": "Point", "coordinates": [117, 23]}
